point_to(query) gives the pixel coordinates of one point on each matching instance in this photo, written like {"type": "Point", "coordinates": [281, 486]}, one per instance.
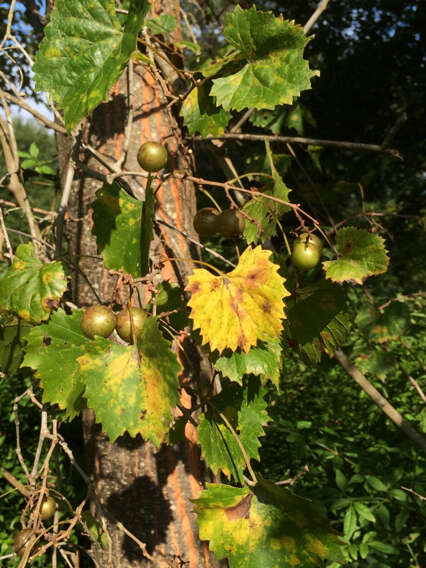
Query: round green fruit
{"type": "Point", "coordinates": [205, 221]}
{"type": "Point", "coordinates": [306, 252]}
{"type": "Point", "coordinates": [124, 326]}
{"type": "Point", "coordinates": [21, 541]}
{"type": "Point", "coordinates": [97, 320]}
{"type": "Point", "coordinates": [230, 223]}
{"type": "Point", "coordinates": [152, 156]}
{"type": "Point", "coordinates": [48, 508]}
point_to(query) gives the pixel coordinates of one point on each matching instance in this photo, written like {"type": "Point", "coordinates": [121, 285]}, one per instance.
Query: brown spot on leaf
{"type": "Point", "coordinates": [266, 307]}
{"type": "Point", "coordinates": [193, 288]}
{"type": "Point", "coordinates": [215, 285]}
{"type": "Point", "coordinates": [240, 511]}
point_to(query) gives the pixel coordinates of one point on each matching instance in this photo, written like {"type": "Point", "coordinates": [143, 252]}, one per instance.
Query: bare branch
{"type": "Point", "coordinates": [380, 401]}
{"type": "Point", "coordinates": [312, 20]}
{"type": "Point", "coordinates": [301, 140]}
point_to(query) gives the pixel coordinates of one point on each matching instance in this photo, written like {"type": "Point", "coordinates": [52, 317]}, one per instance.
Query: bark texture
{"type": "Point", "coordinates": [147, 490]}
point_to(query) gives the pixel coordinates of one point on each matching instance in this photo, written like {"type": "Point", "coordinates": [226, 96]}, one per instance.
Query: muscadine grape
{"type": "Point", "coordinates": [230, 223]}
{"type": "Point", "coordinates": [97, 320]}
{"type": "Point", "coordinates": [152, 156]}
{"type": "Point", "coordinates": [123, 326]}
{"type": "Point", "coordinates": [306, 252]}
{"type": "Point", "coordinates": [48, 508]}
{"type": "Point", "coordinates": [205, 221]}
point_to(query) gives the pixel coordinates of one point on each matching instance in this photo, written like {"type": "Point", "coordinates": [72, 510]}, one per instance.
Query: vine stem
{"type": "Point", "coordinates": [183, 259]}
{"type": "Point", "coordinates": [147, 221]}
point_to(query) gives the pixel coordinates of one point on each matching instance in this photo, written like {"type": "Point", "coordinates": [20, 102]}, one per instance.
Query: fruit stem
{"type": "Point", "coordinates": [147, 224]}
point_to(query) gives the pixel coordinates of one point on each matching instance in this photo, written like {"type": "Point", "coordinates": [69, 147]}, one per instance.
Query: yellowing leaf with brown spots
{"type": "Point", "coordinates": [31, 288]}
{"type": "Point", "coordinates": [127, 395]}
{"type": "Point", "coordinates": [239, 308]}
{"type": "Point", "coordinates": [265, 526]}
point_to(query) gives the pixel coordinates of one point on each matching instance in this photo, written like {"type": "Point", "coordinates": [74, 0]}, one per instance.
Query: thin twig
{"type": "Point", "coordinates": [6, 236]}
{"type": "Point", "coordinates": [300, 140]}
{"type": "Point", "coordinates": [191, 240]}
{"type": "Point", "coordinates": [312, 20]}
{"type": "Point", "coordinates": [18, 101]}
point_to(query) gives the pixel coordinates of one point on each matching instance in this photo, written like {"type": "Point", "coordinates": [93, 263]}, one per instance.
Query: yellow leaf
{"type": "Point", "coordinates": [239, 308]}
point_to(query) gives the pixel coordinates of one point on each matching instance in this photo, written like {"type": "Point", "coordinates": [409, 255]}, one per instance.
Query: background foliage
{"type": "Point", "coordinates": [368, 478]}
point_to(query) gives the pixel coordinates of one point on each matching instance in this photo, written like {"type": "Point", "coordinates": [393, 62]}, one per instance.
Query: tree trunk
{"type": "Point", "coordinates": [146, 490]}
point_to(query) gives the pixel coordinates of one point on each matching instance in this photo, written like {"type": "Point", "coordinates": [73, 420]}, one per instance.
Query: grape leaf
{"type": "Point", "coordinates": [264, 360]}
{"type": "Point", "coordinates": [116, 224]}
{"type": "Point", "coordinates": [127, 395]}
{"type": "Point", "coordinates": [12, 342]}
{"type": "Point", "coordinates": [316, 319]}
{"type": "Point", "coordinates": [239, 308]}
{"type": "Point", "coordinates": [386, 325]}
{"type": "Point", "coordinates": [273, 71]}
{"type": "Point", "coordinates": [30, 288]}
{"type": "Point", "coordinates": [52, 350]}
{"type": "Point", "coordinates": [267, 526]}
{"type": "Point", "coordinates": [163, 24]}
{"type": "Point", "coordinates": [363, 254]}
{"type": "Point", "coordinates": [200, 114]}
{"type": "Point", "coordinates": [84, 52]}
{"type": "Point", "coordinates": [245, 409]}
{"type": "Point", "coordinates": [265, 211]}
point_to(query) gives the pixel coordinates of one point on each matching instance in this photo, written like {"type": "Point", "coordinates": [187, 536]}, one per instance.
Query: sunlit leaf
{"type": "Point", "coordinates": [116, 224]}
{"type": "Point", "coordinates": [362, 254]}
{"type": "Point", "coordinates": [272, 70]}
{"type": "Point", "coordinates": [201, 115]}
{"type": "Point", "coordinates": [31, 288]}
{"type": "Point", "coordinates": [239, 308]}
{"type": "Point", "coordinates": [264, 360]}
{"type": "Point", "coordinates": [267, 526]}
{"type": "Point", "coordinates": [52, 351]}
{"type": "Point", "coordinates": [84, 52]}
{"type": "Point", "coordinates": [129, 393]}
{"type": "Point", "coordinates": [163, 24]}
{"type": "Point", "coordinates": [264, 211]}
{"type": "Point", "coordinates": [245, 410]}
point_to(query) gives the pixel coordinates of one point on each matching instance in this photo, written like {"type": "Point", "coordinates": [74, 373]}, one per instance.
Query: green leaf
{"type": "Point", "coordinates": [264, 360]}
{"type": "Point", "coordinates": [269, 119]}
{"type": "Point", "coordinates": [127, 395]}
{"type": "Point", "coordinates": [30, 288]}
{"type": "Point", "coordinates": [272, 71]}
{"type": "Point", "coordinates": [266, 527]}
{"type": "Point", "coordinates": [184, 44]}
{"type": "Point", "coordinates": [363, 254]}
{"type": "Point", "coordinates": [163, 24]}
{"type": "Point", "coordinates": [200, 114]}
{"type": "Point", "coordinates": [84, 52]}
{"type": "Point", "coordinates": [52, 351]}
{"type": "Point", "coordinates": [375, 483]}
{"type": "Point", "coordinates": [364, 512]}
{"type": "Point", "coordinates": [383, 547]}
{"type": "Point", "coordinates": [350, 522]}
{"type": "Point", "coordinates": [245, 409]}
{"type": "Point", "coordinates": [12, 342]}
{"type": "Point", "coordinates": [386, 325]}
{"type": "Point", "coordinates": [317, 320]}
{"type": "Point", "coordinates": [116, 224]}
{"type": "Point", "coordinates": [266, 211]}
{"type": "Point", "coordinates": [160, 368]}
{"type": "Point", "coordinates": [34, 151]}
{"type": "Point", "coordinates": [341, 480]}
